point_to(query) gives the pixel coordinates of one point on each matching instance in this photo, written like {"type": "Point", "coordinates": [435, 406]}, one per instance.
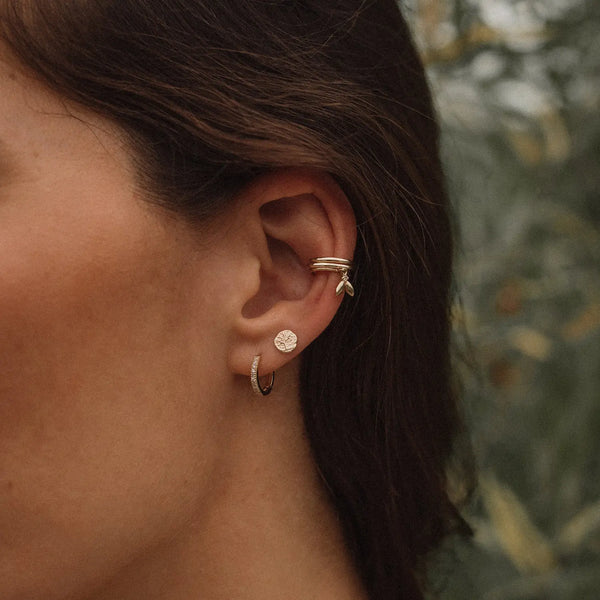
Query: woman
{"type": "Point", "coordinates": [192, 406]}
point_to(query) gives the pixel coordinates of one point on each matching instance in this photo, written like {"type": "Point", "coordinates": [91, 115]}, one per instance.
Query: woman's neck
{"type": "Point", "coordinates": [265, 529]}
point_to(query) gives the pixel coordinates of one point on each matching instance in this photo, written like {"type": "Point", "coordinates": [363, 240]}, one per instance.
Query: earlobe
{"type": "Point", "coordinates": [297, 215]}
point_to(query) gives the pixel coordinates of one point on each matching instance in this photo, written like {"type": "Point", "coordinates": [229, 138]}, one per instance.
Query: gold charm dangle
{"type": "Point", "coordinates": [344, 286]}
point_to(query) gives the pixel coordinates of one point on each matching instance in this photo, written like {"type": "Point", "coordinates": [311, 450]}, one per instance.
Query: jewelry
{"type": "Point", "coordinates": [254, 379]}
{"type": "Point", "coordinates": [338, 265]}
{"type": "Point", "coordinates": [286, 341]}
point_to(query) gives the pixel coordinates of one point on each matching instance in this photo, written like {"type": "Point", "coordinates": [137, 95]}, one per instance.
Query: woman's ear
{"type": "Point", "coordinates": [287, 218]}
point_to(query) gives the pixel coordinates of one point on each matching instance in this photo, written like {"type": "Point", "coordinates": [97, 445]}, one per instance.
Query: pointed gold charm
{"type": "Point", "coordinates": [344, 286]}
{"type": "Point", "coordinates": [349, 289]}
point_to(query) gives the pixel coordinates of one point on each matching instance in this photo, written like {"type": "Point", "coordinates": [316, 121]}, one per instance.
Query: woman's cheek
{"type": "Point", "coordinates": [98, 436]}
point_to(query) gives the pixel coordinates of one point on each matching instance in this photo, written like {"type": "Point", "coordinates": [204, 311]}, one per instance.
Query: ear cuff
{"type": "Point", "coordinates": [338, 265]}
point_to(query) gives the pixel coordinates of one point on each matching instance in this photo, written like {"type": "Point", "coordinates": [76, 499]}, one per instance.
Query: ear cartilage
{"type": "Point", "coordinates": [286, 341]}
{"type": "Point", "coordinates": [337, 265]}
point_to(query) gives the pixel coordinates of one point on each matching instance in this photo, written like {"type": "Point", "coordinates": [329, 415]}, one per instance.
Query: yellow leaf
{"type": "Point", "coordinates": [578, 530]}
{"type": "Point", "coordinates": [558, 138]}
{"type": "Point", "coordinates": [530, 342]}
{"type": "Point", "coordinates": [529, 149]}
{"type": "Point", "coordinates": [523, 542]}
{"type": "Point", "coordinates": [584, 323]}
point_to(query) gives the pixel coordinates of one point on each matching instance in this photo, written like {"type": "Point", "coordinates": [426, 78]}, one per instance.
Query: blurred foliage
{"type": "Point", "coordinates": [517, 84]}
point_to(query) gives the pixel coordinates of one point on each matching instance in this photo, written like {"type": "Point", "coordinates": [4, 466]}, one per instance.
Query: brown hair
{"type": "Point", "coordinates": [211, 94]}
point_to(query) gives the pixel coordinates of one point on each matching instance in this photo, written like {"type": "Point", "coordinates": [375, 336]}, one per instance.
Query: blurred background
{"type": "Point", "coordinates": [517, 84]}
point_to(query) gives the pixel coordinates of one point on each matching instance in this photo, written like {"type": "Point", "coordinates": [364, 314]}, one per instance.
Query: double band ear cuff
{"type": "Point", "coordinates": [338, 265]}
{"type": "Point", "coordinates": [258, 389]}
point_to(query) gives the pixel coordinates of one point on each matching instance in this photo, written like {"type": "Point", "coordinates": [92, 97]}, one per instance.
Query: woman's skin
{"type": "Point", "coordinates": [135, 461]}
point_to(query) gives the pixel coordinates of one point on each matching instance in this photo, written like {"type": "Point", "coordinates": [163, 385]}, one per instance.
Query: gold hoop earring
{"type": "Point", "coordinates": [258, 389]}
{"type": "Point", "coordinates": [338, 265]}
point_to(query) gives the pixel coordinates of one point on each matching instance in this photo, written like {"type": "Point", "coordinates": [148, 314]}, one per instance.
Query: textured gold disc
{"type": "Point", "coordinates": [286, 341]}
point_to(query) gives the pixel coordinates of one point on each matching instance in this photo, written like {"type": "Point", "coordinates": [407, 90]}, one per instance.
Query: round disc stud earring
{"type": "Point", "coordinates": [286, 341]}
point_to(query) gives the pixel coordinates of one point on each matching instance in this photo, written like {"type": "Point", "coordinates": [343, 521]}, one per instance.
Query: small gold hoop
{"type": "Point", "coordinates": [254, 379]}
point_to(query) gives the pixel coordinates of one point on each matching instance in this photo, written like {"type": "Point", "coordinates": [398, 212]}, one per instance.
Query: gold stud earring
{"type": "Point", "coordinates": [338, 265]}
{"type": "Point", "coordinates": [254, 379]}
{"type": "Point", "coordinates": [286, 341]}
